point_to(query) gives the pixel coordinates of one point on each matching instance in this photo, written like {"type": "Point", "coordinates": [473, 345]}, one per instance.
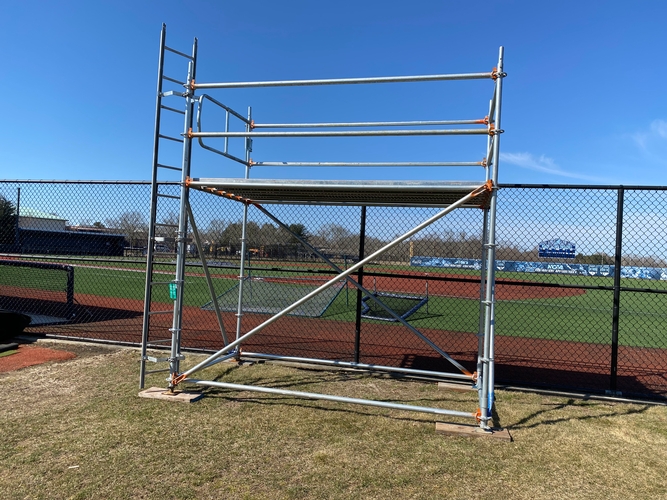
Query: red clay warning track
{"type": "Point", "coordinates": [30, 355]}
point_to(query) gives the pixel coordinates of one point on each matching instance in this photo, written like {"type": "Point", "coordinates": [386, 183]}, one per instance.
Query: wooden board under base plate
{"type": "Point", "coordinates": [471, 431]}
{"type": "Point", "coordinates": [454, 387]}
{"type": "Point", "coordinates": [162, 393]}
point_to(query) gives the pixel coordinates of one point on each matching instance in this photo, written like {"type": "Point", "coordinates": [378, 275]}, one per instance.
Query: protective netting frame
{"type": "Point", "coordinates": [268, 286]}
{"type": "Point", "coordinates": [370, 312]}
{"type": "Point", "coordinates": [26, 295]}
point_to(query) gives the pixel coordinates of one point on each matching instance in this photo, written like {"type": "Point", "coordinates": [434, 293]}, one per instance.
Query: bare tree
{"type": "Point", "coordinates": [8, 217]}
{"type": "Point", "coordinates": [133, 225]}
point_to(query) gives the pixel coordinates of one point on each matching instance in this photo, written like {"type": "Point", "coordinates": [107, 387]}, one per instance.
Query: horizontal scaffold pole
{"type": "Point", "coordinates": [369, 164]}
{"type": "Point", "coordinates": [329, 397]}
{"type": "Point", "coordinates": [361, 366]}
{"type": "Point", "coordinates": [373, 124]}
{"type": "Point", "coordinates": [345, 133]}
{"type": "Point", "coordinates": [346, 81]}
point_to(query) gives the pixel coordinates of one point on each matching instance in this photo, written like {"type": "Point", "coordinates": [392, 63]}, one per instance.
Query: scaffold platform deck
{"type": "Point", "coordinates": [357, 193]}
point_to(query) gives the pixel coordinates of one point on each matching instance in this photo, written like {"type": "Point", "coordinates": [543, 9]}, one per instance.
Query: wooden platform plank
{"type": "Point", "coordinates": [162, 393]}
{"type": "Point", "coordinates": [465, 430]}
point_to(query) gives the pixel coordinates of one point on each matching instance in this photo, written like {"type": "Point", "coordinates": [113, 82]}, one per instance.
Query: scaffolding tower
{"type": "Point", "coordinates": [260, 193]}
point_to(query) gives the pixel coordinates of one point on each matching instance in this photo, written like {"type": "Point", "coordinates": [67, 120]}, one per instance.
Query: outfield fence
{"type": "Point", "coordinates": [588, 313]}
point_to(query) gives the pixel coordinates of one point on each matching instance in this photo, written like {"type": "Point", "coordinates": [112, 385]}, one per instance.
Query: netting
{"type": "Point", "coordinates": [270, 295]}
{"type": "Point", "coordinates": [403, 305]}
{"type": "Point", "coordinates": [44, 291]}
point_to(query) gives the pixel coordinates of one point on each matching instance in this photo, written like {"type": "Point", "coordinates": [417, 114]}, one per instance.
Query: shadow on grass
{"type": "Point", "coordinates": [276, 400]}
{"type": "Point", "coordinates": [534, 419]}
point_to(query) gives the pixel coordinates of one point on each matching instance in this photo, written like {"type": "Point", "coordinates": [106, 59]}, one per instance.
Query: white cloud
{"type": "Point", "coordinates": [543, 164]}
{"type": "Point", "coordinates": [654, 136]}
{"type": "Point", "coordinates": [659, 127]}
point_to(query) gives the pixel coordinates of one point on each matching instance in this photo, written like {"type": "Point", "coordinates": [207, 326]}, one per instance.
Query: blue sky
{"type": "Point", "coordinates": [583, 102]}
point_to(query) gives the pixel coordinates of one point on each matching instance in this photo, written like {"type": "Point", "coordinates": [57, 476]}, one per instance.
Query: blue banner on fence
{"type": "Point", "coordinates": [647, 273]}
{"type": "Point", "coordinates": [557, 248]}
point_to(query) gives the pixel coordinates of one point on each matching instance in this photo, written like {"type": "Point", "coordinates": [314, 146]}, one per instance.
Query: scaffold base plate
{"type": "Point", "coordinates": [162, 393]}
{"type": "Point", "coordinates": [465, 430]}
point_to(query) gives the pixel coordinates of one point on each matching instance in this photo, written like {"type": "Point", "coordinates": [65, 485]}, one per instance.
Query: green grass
{"type": "Point", "coordinates": [78, 430]}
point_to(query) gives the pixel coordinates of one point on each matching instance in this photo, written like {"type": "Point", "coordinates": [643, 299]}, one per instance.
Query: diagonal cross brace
{"type": "Point", "coordinates": [209, 283]}
{"type": "Point", "coordinates": [368, 293]}
{"type": "Point", "coordinates": [176, 379]}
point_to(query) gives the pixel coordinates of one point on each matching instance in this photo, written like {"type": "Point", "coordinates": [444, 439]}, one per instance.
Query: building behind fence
{"type": "Point", "coordinates": [568, 321]}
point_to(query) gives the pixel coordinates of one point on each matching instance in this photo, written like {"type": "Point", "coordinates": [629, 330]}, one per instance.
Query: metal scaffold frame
{"type": "Point", "coordinates": [448, 196]}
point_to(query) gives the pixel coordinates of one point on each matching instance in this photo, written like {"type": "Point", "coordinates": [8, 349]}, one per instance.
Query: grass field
{"type": "Point", "coordinates": [580, 318]}
{"type": "Point", "coordinates": [78, 430]}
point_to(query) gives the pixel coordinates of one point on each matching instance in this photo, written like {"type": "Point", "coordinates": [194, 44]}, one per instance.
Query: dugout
{"type": "Point", "coordinates": [40, 241]}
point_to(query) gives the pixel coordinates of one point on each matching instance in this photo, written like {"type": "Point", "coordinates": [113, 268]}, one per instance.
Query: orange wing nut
{"type": "Point", "coordinates": [177, 379]}
{"type": "Point", "coordinates": [495, 74]}
{"type": "Point", "coordinates": [486, 187]}
{"type": "Point", "coordinates": [493, 130]}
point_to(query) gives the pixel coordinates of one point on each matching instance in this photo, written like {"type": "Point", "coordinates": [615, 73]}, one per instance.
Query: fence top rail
{"type": "Point", "coordinates": [346, 81]}
{"type": "Point", "coordinates": [584, 186]}
{"type": "Point", "coordinates": [69, 181]}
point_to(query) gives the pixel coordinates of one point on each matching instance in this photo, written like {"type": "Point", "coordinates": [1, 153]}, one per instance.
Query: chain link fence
{"type": "Point", "coordinates": [581, 278]}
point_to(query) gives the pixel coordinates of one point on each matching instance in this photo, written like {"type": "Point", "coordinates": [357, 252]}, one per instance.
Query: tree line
{"type": "Point", "coordinates": [268, 241]}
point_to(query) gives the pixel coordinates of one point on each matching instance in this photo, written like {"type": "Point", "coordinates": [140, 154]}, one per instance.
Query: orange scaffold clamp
{"type": "Point", "coordinates": [495, 74]}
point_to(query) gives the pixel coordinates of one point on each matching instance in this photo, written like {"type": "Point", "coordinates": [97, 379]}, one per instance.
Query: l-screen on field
{"type": "Point", "coordinates": [530, 306]}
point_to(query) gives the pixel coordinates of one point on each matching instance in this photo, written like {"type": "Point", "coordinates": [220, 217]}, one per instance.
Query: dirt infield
{"type": "Point", "coordinates": [30, 355]}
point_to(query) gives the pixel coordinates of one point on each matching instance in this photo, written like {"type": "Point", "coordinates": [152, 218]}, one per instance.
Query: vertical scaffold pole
{"type": "Point", "coordinates": [483, 282]}
{"type": "Point", "coordinates": [182, 234]}
{"type": "Point", "coordinates": [244, 227]}
{"type": "Point", "coordinates": [488, 378]}
{"type": "Point", "coordinates": [482, 295]}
